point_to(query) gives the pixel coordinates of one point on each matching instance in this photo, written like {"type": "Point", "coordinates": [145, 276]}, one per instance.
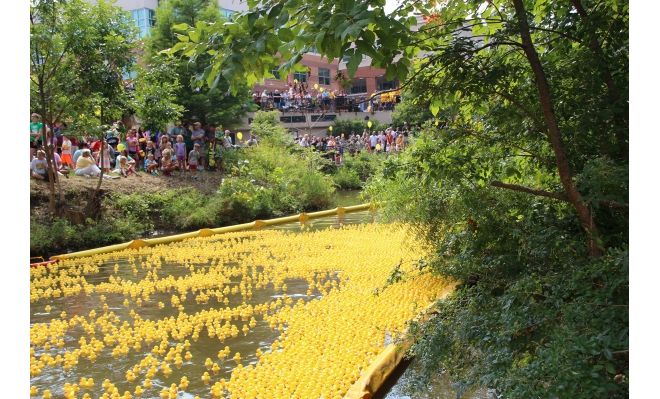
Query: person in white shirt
{"type": "Point", "coordinates": [373, 140]}
{"type": "Point", "coordinates": [39, 166]}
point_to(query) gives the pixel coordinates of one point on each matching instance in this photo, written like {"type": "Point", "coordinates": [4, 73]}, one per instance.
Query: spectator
{"type": "Point", "coordinates": [39, 166]}
{"type": "Point", "coordinates": [66, 152]}
{"type": "Point", "coordinates": [78, 152]}
{"type": "Point", "coordinates": [86, 165]}
{"type": "Point", "coordinates": [36, 130]}
{"type": "Point", "coordinates": [227, 142]}
{"type": "Point", "coordinates": [150, 164]}
{"type": "Point", "coordinates": [198, 137]}
{"type": "Point", "coordinates": [194, 157]}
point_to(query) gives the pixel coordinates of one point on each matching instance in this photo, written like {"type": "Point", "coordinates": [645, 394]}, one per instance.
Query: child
{"type": "Point", "coordinates": [167, 166]}
{"type": "Point", "coordinates": [66, 152]}
{"type": "Point", "coordinates": [150, 165]}
{"type": "Point", "coordinates": [193, 157]}
{"type": "Point", "coordinates": [125, 165]}
{"type": "Point", "coordinates": [132, 143]}
{"type": "Point", "coordinates": [39, 166]}
{"type": "Point", "coordinates": [105, 164]}
{"type": "Point", "coordinates": [151, 149]}
{"type": "Point", "coordinates": [180, 152]}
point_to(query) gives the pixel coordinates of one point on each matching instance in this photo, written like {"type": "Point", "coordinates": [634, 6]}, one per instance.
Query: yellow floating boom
{"type": "Point", "coordinates": [257, 224]}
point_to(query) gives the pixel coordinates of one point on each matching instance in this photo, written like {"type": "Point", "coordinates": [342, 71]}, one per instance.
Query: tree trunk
{"type": "Point", "coordinates": [554, 134]}
{"type": "Point", "coordinates": [60, 193]}
{"type": "Point", "coordinates": [52, 203]}
{"type": "Point", "coordinates": [613, 92]}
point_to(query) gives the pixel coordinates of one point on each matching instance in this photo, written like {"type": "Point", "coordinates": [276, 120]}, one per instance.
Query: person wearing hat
{"type": "Point", "coordinates": [199, 137]}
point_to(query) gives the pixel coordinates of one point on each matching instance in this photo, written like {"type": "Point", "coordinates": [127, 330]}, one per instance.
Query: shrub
{"type": "Point", "coordinates": [364, 164]}
{"type": "Point", "coordinates": [347, 179]}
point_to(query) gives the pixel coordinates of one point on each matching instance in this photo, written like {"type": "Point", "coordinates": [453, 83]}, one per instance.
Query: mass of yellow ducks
{"type": "Point", "coordinates": [203, 288]}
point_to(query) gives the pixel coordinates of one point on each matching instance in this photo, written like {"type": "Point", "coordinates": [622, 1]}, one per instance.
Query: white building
{"type": "Point", "coordinates": [144, 11]}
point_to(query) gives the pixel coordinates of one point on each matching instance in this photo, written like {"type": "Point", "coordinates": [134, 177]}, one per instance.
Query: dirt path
{"type": "Point", "coordinates": [206, 183]}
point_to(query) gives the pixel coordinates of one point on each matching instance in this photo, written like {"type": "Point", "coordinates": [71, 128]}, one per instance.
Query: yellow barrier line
{"type": "Point", "coordinates": [375, 376]}
{"type": "Point", "coordinates": [301, 217]}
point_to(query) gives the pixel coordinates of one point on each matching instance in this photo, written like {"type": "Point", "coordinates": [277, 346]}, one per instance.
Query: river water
{"type": "Point", "coordinates": [259, 337]}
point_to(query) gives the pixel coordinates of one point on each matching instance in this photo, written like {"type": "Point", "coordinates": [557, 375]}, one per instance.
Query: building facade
{"type": "Point", "coordinates": [320, 71]}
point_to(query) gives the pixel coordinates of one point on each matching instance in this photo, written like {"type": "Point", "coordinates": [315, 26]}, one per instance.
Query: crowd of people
{"type": "Point", "coordinates": [125, 152]}
{"type": "Point", "coordinates": [122, 152]}
{"type": "Point", "coordinates": [388, 141]}
{"type": "Point", "coordinates": [300, 97]}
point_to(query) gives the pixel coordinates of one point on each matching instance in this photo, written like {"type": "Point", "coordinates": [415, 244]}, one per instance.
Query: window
{"type": "Point", "coordinates": [301, 77]}
{"type": "Point", "coordinates": [227, 13]}
{"type": "Point", "coordinates": [293, 119]}
{"type": "Point", "coordinates": [324, 118]}
{"type": "Point", "coordinates": [324, 76]}
{"type": "Point", "coordinates": [382, 84]}
{"type": "Point", "coordinates": [359, 86]}
{"type": "Point", "coordinates": [144, 19]}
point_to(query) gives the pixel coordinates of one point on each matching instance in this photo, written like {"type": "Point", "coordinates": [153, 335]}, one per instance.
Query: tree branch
{"type": "Point", "coordinates": [548, 194]}
{"type": "Point", "coordinates": [533, 191]}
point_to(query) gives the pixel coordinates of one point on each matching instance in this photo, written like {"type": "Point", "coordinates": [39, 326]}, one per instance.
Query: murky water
{"type": "Point", "coordinates": [440, 387]}
{"type": "Point", "coordinates": [261, 336]}
{"type": "Point", "coordinates": [105, 366]}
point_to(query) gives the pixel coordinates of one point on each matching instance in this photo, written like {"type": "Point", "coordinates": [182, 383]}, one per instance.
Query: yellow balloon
{"type": "Point", "coordinates": [239, 135]}
{"type": "Point", "coordinates": [369, 124]}
{"type": "Point", "coordinates": [295, 80]}
{"type": "Point", "coordinates": [316, 86]}
{"type": "Point", "coordinates": [322, 90]}
{"type": "Point", "coordinates": [330, 128]}
{"type": "Point", "coordinates": [121, 147]}
{"type": "Point", "coordinates": [378, 147]}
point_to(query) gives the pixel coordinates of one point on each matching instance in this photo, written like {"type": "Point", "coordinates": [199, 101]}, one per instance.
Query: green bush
{"type": "Point", "coordinates": [315, 191]}
{"type": "Point", "coordinates": [347, 179]}
{"type": "Point", "coordinates": [364, 164]}
{"type": "Point", "coordinates": [58, 235]}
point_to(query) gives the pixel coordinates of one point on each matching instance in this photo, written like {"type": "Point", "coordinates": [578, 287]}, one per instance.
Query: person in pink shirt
{"type": "Point", "coordinates": [132, 145]}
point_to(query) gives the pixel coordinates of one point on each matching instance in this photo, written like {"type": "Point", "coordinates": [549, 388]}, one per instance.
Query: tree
{"type": "Point", "coordinates": [154, 97]}
{"type": "Point", "coordinates": [273, 31]}
{"type": "Point", "coordinates": [77, 54]}
{"type": "Point", "coordinates": [526, 157]}
{"type": "Point", "coordinates": [208, 105]}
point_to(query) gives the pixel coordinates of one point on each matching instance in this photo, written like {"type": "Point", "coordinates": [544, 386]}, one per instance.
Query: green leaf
{"type": "Point", "coordinates": [353, 64]}
{"type": "Point", "coordinates": [434, 107]}
{"type": "Point", "coordinates": [610, 368]}
{"type": "Point", "coordinates": [180, 27]}
{"type": "Point", "coordinates": [285, 34]}
{"type": "Point", "coordinates": [194, 36]}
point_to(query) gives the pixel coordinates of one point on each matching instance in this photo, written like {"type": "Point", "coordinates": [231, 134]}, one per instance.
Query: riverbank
{"type": "Point", "coordinates": [145, 206]}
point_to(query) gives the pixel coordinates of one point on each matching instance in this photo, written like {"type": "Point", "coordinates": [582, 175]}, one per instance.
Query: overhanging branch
{"type": "Point", "coordinates": [533, 191]}
{"type": "Point", "coordinates": [555, 195]}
